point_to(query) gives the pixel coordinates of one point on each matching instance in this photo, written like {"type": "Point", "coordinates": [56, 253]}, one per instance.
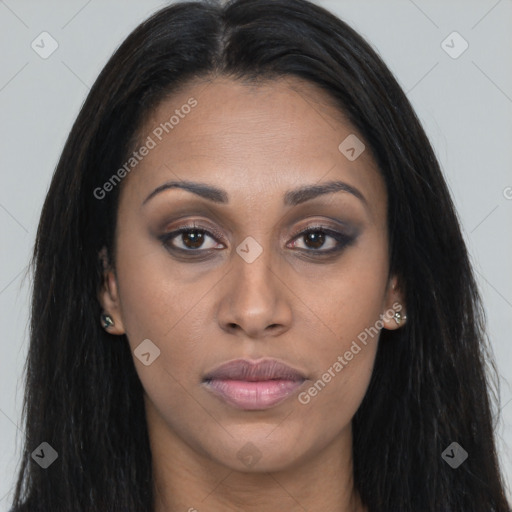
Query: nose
{"type": "Point", "coordinates": [255, 301]}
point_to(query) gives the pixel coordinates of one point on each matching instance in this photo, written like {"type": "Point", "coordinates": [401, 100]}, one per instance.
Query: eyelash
{"type": "Point", "coordinates": [341, 239]}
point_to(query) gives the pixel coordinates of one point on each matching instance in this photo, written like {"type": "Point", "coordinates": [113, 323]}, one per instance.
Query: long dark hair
{"type": "Point", "coordinates": [430, 384]}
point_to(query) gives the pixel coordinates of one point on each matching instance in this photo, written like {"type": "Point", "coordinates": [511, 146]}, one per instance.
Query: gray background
{"type": "Point", "coordinates": [465, 105]}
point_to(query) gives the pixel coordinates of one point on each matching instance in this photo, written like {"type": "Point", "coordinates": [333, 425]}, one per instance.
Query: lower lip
{"type": "Point", "coordinates": [253, 395]}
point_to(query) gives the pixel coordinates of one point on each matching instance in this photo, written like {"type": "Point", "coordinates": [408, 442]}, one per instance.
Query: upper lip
{"type": "Point", "coordinates": [250, 370]}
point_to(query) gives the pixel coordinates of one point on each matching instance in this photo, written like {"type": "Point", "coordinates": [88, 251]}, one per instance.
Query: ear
{"type": "Point", "coordinates": [394, 315]}
{"type": "Point", "coordinates": [108, 295]}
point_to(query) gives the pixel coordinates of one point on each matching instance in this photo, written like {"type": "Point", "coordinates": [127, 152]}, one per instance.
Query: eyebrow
{"type": "Point", "coordinates": [290, 198]}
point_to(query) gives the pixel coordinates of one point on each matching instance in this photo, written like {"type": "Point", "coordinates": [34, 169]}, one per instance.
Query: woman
{"type": "Point", "coordinates": [251, 289]}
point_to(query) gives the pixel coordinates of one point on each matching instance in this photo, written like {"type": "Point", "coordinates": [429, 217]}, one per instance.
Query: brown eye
{"type": "Point", "coordinates": [193, 239]}
{"type": "Point", "coordinates": [314, 239]}
{"type": "Point", "coordinates": [321, 240]}
{"type": "Point", "coordinates": [190, 238]}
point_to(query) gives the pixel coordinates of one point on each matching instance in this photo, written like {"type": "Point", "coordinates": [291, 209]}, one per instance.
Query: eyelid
{"type": "Point", "coordinates": [317, 226]}
{"type": "Point", "coordinates": [221, 237]}
{"type": "Point", "coordinates": [209, 230]}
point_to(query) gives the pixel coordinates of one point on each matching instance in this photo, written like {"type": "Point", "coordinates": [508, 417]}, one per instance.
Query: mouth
{"type": "Point", "coordinates": [253, 385]}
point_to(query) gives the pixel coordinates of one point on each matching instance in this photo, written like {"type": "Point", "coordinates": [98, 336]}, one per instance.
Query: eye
{"type": "Point", "coordinates": [321, 240]}
{"type": "Point", "coordinates": [191, 239]}
{"type": "Point", "coordinates": [195, 239]}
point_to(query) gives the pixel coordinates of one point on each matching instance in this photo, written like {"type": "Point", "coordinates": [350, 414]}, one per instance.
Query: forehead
{"type": "Point", "coordinates": [253, 140]}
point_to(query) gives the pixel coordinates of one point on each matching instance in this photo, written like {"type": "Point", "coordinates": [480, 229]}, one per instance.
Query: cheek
{"type": "Point", "coordinates": [343, 359]}
{"type": "Point", "coordinates": [162, 304]}
{"type": "Point", "coordinates": [348, 313]}
{"type": "Point", "coordinates": [165, 303]}
{"type": "Point", "coordinates": [157, 294]}
{"type": "Point", "coordinates": [349, 298]}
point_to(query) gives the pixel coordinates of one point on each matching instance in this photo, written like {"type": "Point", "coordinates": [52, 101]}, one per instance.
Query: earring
{"type": "Point", "coordinates": [106, 320]}
{"type": "Point", "coordinates": [399, 317]}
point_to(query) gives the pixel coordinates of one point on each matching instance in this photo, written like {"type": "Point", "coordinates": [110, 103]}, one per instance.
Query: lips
{"type": "Point", "coordinates": [253, 385]}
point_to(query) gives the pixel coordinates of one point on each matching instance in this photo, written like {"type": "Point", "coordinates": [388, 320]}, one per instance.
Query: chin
{"type": "Point", "coordinates": [260, 454]}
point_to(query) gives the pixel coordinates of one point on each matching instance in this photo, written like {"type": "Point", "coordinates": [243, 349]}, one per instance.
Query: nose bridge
{"type": "Point", "coordinates": [254, 276]}
{"type": "Point", "coordinates": [253, 299]}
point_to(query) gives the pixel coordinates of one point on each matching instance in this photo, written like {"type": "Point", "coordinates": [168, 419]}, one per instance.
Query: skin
{"type": "Point", "coordinates": [256, 142]}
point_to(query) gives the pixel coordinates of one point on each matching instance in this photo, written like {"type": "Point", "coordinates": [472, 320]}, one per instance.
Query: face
{"type": "Point", "coordinates": [244, 280]}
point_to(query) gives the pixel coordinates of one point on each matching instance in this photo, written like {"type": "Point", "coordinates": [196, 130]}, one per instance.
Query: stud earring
{"type": "Point", "coordinates": [106, 321]}
{"type": "Point", "coordinates": [399, 317]}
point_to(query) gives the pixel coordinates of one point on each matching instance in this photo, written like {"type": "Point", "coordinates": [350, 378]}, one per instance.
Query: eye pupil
{"type": "Point", "coordinates": [195, 236]}
{"type": "Point", "coordinates": [317, 237]}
